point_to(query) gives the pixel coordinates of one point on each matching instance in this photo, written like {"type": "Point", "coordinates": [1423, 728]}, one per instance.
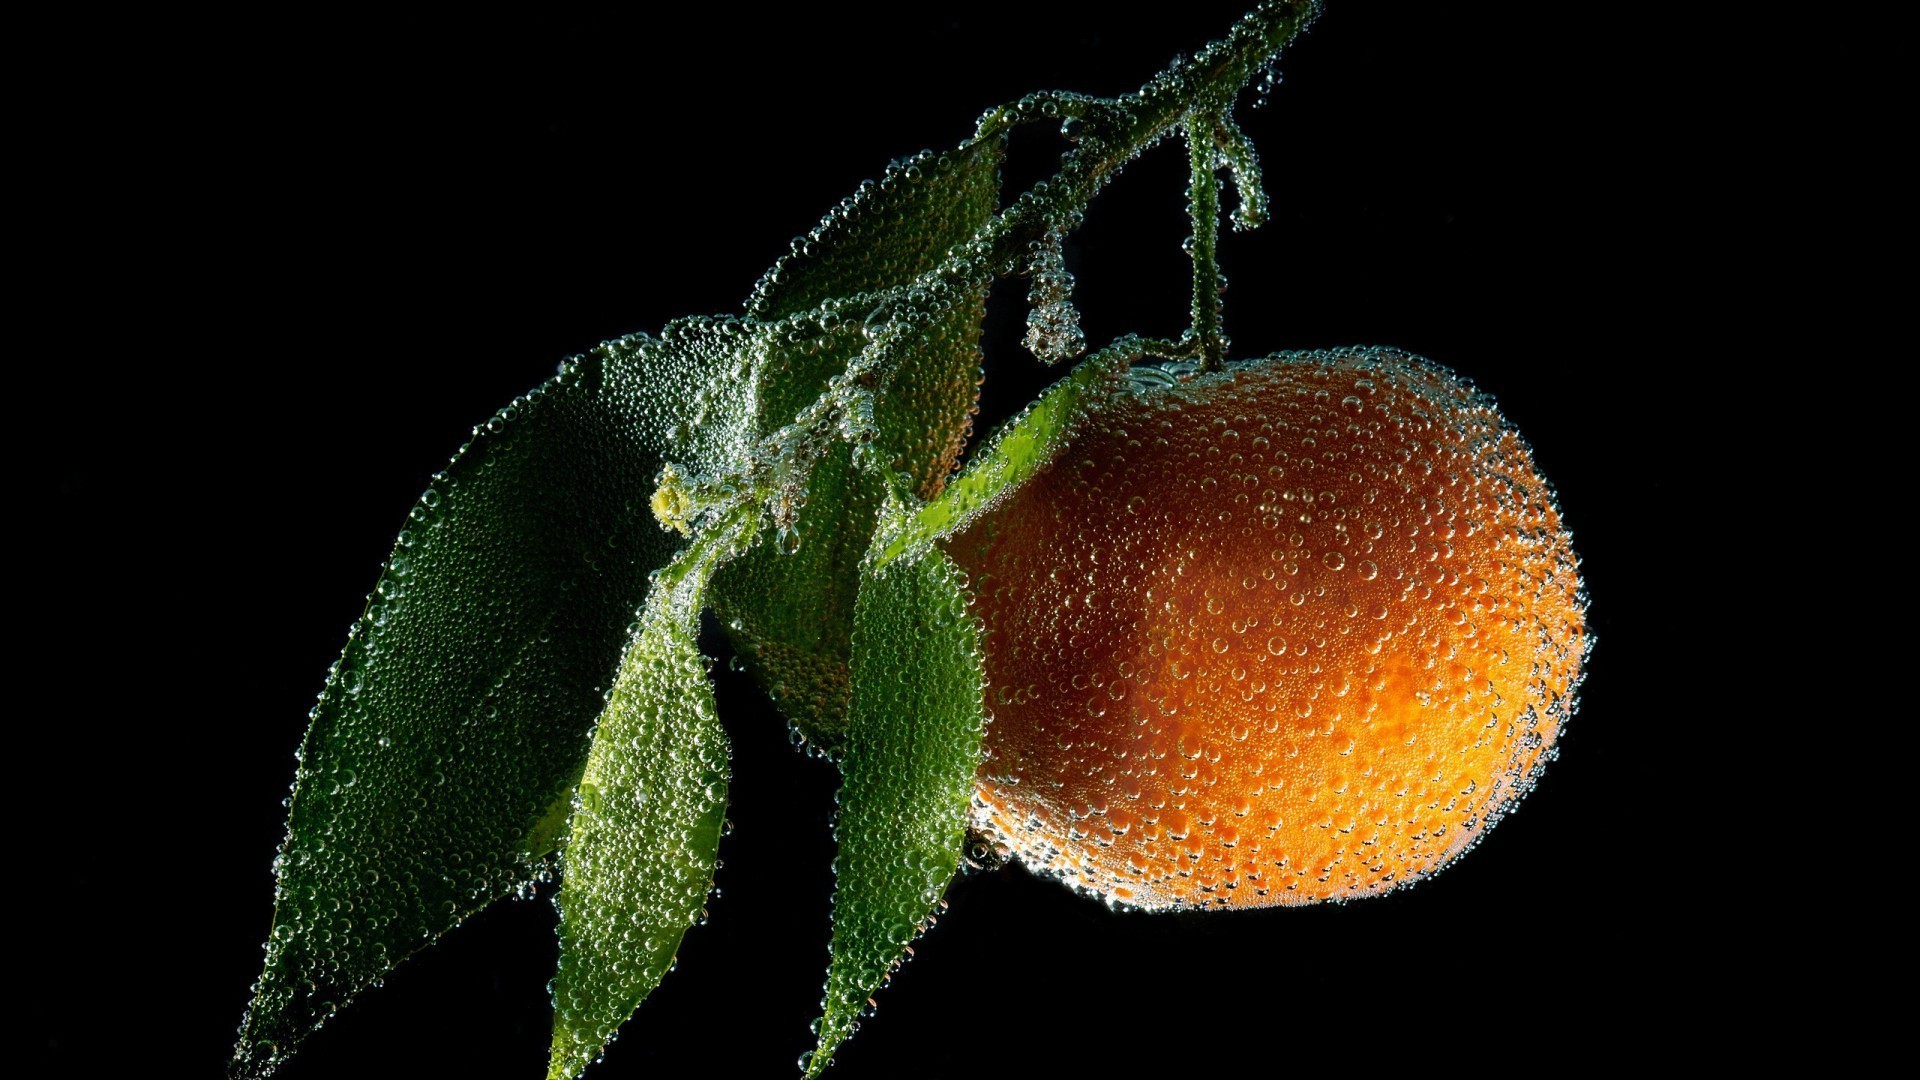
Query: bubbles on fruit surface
{"type": "Point", "coordinates": [1334, 559]}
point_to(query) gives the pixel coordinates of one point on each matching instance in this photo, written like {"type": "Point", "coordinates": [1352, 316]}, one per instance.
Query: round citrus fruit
{"type": "Point", "coordinates": [1300, 630]}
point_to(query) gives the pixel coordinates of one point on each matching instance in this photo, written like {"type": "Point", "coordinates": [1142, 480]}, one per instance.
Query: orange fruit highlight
{"type": "Point", "coordinates": [1301, 630]}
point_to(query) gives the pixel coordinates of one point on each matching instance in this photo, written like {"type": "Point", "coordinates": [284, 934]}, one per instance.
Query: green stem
{"type": "Point", "coordinates": [720, 540]}
{"type": "Point", "coordinates": [1203, 207]}
{"type": "Point", "coordinates": [1197, 92]}
{"type": "Point", "coordinates": [1118, 130]}
{"type": "Point", "coordinates": [1243, 165]}
{"type": "Point", "coordinates": [1020, 448]}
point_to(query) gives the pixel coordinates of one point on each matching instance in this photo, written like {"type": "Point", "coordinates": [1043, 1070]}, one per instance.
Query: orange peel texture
{"type": "Point", "coordinates": [1301, 630]}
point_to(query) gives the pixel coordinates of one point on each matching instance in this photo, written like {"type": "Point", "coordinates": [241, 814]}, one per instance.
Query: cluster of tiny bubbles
{"type": "Point", "coordinates": [1041, 104]}
{"type": "Point", "coordinates": [1265, 84]}
{"type": "Point", "coordinates": [1053, 323]}
{"type": "Point", "coordinates": [1299, 630]}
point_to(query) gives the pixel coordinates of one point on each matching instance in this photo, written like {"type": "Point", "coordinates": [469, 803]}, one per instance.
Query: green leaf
{"type": "Point", "coordinates": [646, 826]}
{"type": "Point", "coordinates": [790, 613]}
{"type": "Point", "coordinates": [913, 747]}
{"type": "Point", "coordinates": [439, 766]}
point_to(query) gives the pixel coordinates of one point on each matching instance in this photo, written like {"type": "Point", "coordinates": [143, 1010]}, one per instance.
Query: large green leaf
{"type": "Point", "coordinates": [914, 744]}
{"type": "Point", "coordinates": [790, 613]}
{"type": "Point", "coordinates": [641, 845]}
{"type": "Point", "coordinates": [439, 766]}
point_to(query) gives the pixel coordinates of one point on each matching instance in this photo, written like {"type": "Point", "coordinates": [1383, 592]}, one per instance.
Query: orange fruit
{"type": "Point", "coordinates": [1301, 630]}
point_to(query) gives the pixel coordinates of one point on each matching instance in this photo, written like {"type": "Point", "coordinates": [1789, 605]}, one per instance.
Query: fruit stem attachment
{"type": "Point", "coordinates": [1203, 208]}
{"type": "Point", "coordinates": [1016, 451]}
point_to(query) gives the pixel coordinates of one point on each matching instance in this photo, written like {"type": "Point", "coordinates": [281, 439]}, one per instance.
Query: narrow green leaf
{"type": "Point", "coordinates": [790, 613]}
{"type": "Point", "coordinates": [913, 747]}
{"type": "Point", "coordinates": [646, 825]}
{"type": "Point", "coordinates": [437, 771]}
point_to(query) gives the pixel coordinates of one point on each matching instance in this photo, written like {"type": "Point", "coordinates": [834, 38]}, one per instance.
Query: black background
{"type": "Point", "coordinates": [293, 263]}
